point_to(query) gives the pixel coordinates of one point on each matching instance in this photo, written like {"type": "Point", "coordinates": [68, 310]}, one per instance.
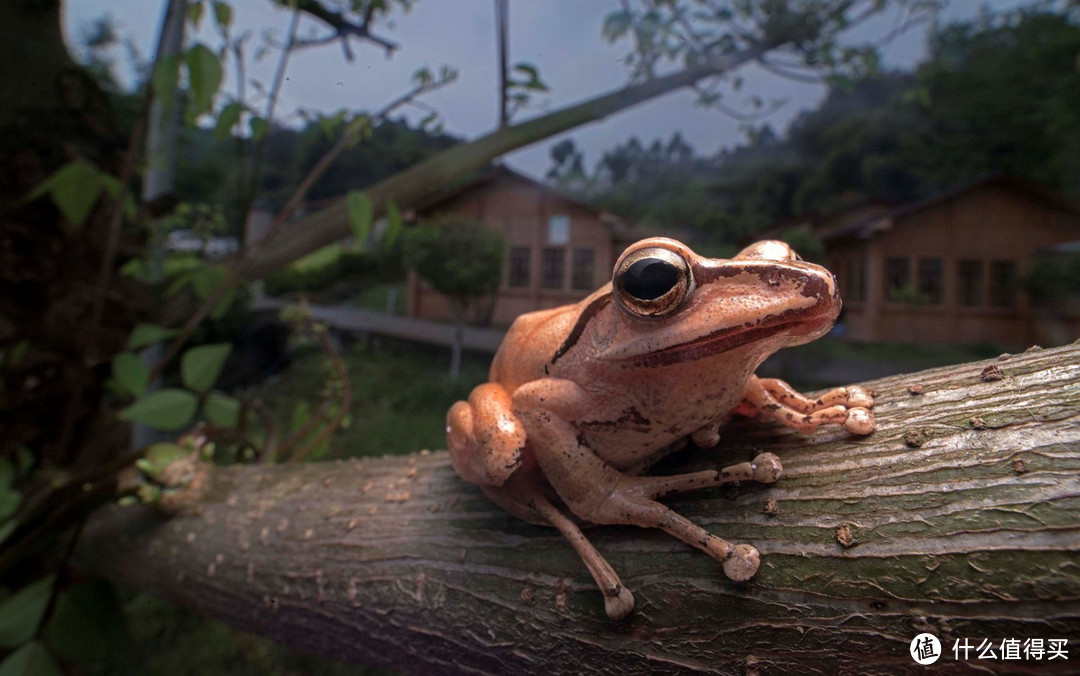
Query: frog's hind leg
{"type": "Point", "coordinates": [523, 497]}
{"type": "Point", "coordinates": [772, 398]}
{"type": "Point", "coordinates": [597, 492]}
{"type": "Point", "coordinates": [765, 468]}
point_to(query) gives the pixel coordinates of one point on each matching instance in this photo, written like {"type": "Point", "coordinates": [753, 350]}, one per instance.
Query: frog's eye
{"type": "Point", "coordinates": [652, 282]}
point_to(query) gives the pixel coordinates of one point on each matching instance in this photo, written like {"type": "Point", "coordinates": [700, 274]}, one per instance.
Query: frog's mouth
{"type": "Point", "coordinates": [792, 323]}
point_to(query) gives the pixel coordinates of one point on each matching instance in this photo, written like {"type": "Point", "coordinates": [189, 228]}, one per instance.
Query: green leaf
{"type": "Point", "coordinates": [227, 119]}
{"type": "Point", "coordinates": [195, 14]}
{"type": "Point", "coordinates": [259, 128]}
{"type": "Point", "coordinates": [301, 414]}
{"type": "Point", "coordinates": [130, 373]}
{"type": "Point", "coordinates": [393, 225]}
{"type": "Point", "coordinates": [148, 334]}
{"type": "Point", "coordinates": [30, 660]}
{"type": "Point", "coordinates": [222, 410]}
{"type": "Point", "coordinates": [21, 614]}
{"type": "Point", "coordinates": [533, 82]}
{"type": "Point", "coordinates": [74, 189]}
{"type": "Point", "coordinates": [177, 285]}
{"type": "Point", "coordinates": [223, 305]}
{"type": "Point", "coordinates": [9, 502]}
{"type": "Point", "coordinates": [358, 128]}
{"type": "Point", "coordinates": [87, 624]}
{"type": "Point", "coordinates": [167, 409]}
{"type": "Point", "coordinates": [361, 211]}
{"type": "Point", "coordinates": [204, 74]}
{"type": "Point", "coordinates": [200, 366]}
{"type": "Point", "coordinates": [222, 14]}
{"type": "Point", "coordinates": [615, 25]}
{"type": "Point", "coordinates": [165, 79]}
{"type": "Point", "coordinates": [207, 279]}
{"type": "Point", "coordinates": [159, 456]}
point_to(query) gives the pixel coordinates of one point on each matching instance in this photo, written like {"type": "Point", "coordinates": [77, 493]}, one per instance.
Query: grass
{"type": "Point", "coordinates": [400, 396]}
{"type": "Point", "coordinates": [376, 297]}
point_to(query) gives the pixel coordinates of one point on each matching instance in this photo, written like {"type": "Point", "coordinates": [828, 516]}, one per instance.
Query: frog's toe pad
{"type": "Point", "coordinates": [859, 421]}
{"type": "Point", "coordinates": [743, 563]}
{"type": "Point", "coordinates": [620, 605]}
{"type": "Point", "coordinates": [766, 468]}
{"type": "Point", "coordinates": [858, 397]}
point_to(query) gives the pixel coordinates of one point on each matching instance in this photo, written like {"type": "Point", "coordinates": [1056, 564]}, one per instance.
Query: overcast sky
{"type": "Point", "coordinates": [561, 37]}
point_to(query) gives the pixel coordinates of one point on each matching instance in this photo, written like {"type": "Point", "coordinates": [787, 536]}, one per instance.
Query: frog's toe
{"type": "Point", "coordinates": [859, 421]}
{"type": "Point", "coordinates": [743, 563]}
{"type": "Point", "coordinates": [619, 605]}
{"type": "Point", "coordinates": [859, 397]}
{"type": "Point", "coordinates": [766, 468]}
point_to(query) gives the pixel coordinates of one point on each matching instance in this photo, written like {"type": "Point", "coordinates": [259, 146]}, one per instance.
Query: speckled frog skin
{"type": "Point", "coordinates": [581, 399]}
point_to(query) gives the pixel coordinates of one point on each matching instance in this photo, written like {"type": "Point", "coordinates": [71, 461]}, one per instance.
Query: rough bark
{"type": "Point", "coordinates": [959, 516]}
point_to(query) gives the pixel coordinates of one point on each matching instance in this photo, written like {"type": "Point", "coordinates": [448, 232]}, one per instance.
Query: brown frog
{"type": "Point", "coordinates": [582, 398]}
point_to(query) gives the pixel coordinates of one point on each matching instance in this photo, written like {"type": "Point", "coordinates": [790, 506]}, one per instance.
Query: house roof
{"type": "Point", "coordinates": [871, 225]}
{"type": "Point", "coordinates": [621, 230]}
{"type": "Point", "coordinates": [490, 173]}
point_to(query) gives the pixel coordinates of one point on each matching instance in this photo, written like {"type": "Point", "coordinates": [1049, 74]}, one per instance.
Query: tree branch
{"type": "Point", "coordinates": [407, 187]}
{"type": "Point", "coordinates": [343, 28]}
{"type": "Point", "coordinates": [959, 516]}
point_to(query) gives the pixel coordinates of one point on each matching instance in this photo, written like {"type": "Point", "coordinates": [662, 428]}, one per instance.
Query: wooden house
{"type": "Point", "coordinates": [950, 268]}
{"type": "Point", "coordinates": [559, 248]}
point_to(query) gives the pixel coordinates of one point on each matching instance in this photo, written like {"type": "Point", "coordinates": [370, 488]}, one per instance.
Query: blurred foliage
{"type": "Point", "coordinates": [400, 394]}
{"type": "Point", "coordinates": [334, 264]}
{"type": "Point", "coordinates": [1000, 93]}
{"type": "Point", "coordinates": [460, 257]}
{"type": "Point", "coordinates": [212, 168]}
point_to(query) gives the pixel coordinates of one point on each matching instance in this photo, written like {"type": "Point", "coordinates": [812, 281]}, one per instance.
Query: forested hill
{"type": "Point", "coordinates": [213, 171]}
{"type": "Point", "coordinates": [1001, 94]}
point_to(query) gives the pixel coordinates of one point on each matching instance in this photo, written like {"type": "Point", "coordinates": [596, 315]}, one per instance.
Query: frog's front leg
{"type": "Point", "coordinates": [597, 492]}
{"type": "Point", "coordinates": [773, 398]}
{"type": "Point", "coordinates": [484, 438]}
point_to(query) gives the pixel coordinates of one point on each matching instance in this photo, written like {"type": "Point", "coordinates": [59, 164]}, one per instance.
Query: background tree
{"type": "Point", "coordinates": [997, 94]}
{"type": "Point", "coordinates": [460, 258]}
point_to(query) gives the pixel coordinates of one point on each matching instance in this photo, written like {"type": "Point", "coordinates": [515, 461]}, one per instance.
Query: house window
{"type": "Point", "coordinates": [930, 283]}
{"type": "Point", "coordinates": [554, 264]}
{"type": "Point", "coordinates": [518, 272]}
{"type": "Point", "coordinates": [969, 283]}
{"type": "Point", "coordinates": [558, 230]}
{"type": "Point", "coordinates": [855, 282]}
{"type": "Point", "coordinates": [1002, 284]}
{"type": "Point", "coordinates": [583, 273]}
{"type": "Point", "coordinates": [897, 278]}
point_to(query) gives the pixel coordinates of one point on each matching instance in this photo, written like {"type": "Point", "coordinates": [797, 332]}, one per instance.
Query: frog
{"type": "Point", "coordinates": [581, 400]}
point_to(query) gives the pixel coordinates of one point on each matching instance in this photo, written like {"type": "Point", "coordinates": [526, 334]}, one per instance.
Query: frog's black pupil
{"type": "Point", "coordinates": [650, 278]}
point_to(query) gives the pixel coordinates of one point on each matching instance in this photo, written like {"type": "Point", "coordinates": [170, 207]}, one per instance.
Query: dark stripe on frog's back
{"type": "Point", "coordinates": [579, 328]}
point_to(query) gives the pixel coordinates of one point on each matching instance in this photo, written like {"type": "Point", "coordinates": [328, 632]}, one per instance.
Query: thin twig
{"type": "Point", "coordinates": [310, 426]}
{"type": "Point", "coordinates": [271, 104]}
